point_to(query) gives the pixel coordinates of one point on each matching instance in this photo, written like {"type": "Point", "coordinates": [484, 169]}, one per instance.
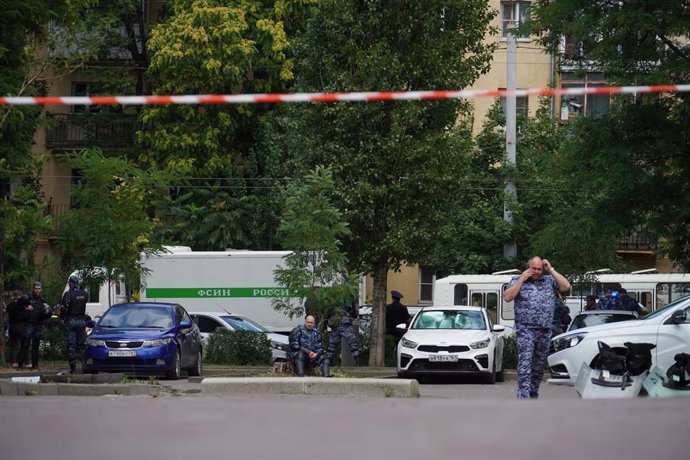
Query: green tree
{"type": "Point", "coordinates": [394, 163]}
{"type": "Point", "coordinates": [221, 47]}
{"type": "Point", "coordinates": [630, 167]}
{"type": "Point", "coordinates": [109, 227]}
{"type": "Point", "coordinates": [313, 229]}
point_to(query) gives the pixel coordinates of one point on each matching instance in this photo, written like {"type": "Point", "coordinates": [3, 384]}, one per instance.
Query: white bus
{"type": "Point", "coordinates": [651, 290]}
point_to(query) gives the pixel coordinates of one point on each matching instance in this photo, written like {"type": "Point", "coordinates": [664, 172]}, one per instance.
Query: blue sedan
{"type": "Point", "coordinates": [144, 338]}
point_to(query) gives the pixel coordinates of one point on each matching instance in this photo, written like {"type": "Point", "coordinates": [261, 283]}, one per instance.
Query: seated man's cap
{"type": "Point", "coordinates": [396, 295]}
{"type": "Point", "coordinates": [37, 284]}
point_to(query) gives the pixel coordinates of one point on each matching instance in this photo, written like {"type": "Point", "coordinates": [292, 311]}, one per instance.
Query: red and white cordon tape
{"type": "Point", "coordinates": [333, 97]}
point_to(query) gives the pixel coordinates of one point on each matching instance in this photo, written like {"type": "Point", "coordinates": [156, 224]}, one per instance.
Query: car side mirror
{"type": "Point", "coordinates": [678, 317]}
{"type": "Point", "coordinates": [185, 324]}
{"type": "Point", "coordinates": [497, 328]}
{"type": "Point", "coordinates": [91, 323]}
{"type": "Point", "coordinates": [401, 326]}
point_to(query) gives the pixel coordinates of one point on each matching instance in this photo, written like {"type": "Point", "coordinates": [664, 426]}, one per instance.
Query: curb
{"type": "Point", "coordinates": [389, 388]}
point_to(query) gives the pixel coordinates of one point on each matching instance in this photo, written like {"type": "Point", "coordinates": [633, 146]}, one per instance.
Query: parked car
{"type": "Point", "coordinates": [597, 317]}
{"type": "Point", "coordinates": [668, 329]}
{"type": "Point", "coordinates": [451, 340]}
{"type": "Point", "coordinates": [145, 338]}
{"type": "Point", "coordinates": [210, 322]}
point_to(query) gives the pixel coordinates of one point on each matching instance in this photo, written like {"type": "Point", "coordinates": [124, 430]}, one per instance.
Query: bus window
{"type": "Point", "coordinates": [492, 306]}
{"type": "Point", "coordinates": [507, 312]}
{"type": "Point", "coordinates": [644, 298]}
{"type": "Point", "coordinates": [488, 300]}
{"type": "Point", "coordinates": [679, 290]}
{"type": "Point", "coordinates": [460, 294]}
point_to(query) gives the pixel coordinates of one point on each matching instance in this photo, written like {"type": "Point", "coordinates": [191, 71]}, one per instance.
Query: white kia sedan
{"type": "Point", "coordinates": [457, 340]}
{"type": "Point", "coordinates": [668, 329]}
{"type": "Point", "coordinates": [210, 322]}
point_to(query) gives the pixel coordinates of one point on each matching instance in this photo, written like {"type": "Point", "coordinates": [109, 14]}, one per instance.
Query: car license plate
{"type": "Point", "coordinates": [121, 353]}
{"type": "Point", "coordinates": [443, 358]}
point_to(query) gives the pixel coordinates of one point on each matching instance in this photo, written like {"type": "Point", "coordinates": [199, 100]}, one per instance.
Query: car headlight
{"type": "Point", "coordinates": [481, 344]}
{"type": "Point", "coordinates": [156, 343]}
{"type": "Point", "coordinates": [569, 341]}
{"type": "Point", "coordinates": [95, 343]}
{"type": "Point", "coordinates": [408, 343]}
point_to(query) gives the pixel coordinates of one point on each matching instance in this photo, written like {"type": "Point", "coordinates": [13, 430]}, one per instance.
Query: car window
{"type": "Point", "coordinates": [237, 322]}
{"type": "Point", "coordinates": [137, 317]}
{"type": "Point", "coordinates": [449, 319]}
{"type": "Point", "coordinates": [595, 319]}
{"type": "Point", "coordinates": [207, 325]}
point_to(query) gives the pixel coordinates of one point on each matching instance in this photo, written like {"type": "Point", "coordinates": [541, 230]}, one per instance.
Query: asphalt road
{"type": "Point", "coordinates": [450, 421]}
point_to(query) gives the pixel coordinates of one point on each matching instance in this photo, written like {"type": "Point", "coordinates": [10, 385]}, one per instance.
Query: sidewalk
{"type": "Point", "coordinates": [53, 379]}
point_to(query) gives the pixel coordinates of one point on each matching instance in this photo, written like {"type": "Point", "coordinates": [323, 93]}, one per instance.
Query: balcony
{"type": "Point", "coordinates": [632, 242]}
{"type": "Point", "coordinates": [82, 130]}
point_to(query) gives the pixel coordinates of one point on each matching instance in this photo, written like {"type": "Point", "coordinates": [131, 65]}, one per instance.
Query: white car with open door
{"type": "Point", "coordinates": [668, 329]}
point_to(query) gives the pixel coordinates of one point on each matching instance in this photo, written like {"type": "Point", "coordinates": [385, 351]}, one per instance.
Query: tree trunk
{"type": "Point", "coordinates": [377, 344]}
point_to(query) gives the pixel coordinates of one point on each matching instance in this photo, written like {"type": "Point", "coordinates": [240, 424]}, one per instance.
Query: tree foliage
{"type": "Point", "coordinates": [630, 166]}
{"type": "Point", "coordinates": [394, 164]}
{"type": "Point", "coordinates": [108, 228]}
{"type": "Point", "coordinates": [219, 47]}
{"type": "Point", "coordinates": [316, 269]}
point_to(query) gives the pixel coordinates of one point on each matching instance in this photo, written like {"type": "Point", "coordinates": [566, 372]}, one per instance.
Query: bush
{"type": "Point", "coordinates": [242, 348]}
{"type": "Point", "coordinates": [390, 351]}
{"type": "Point", "coordinates": [510, 352]}
{"type": "Point", "coordinates": [53, 342]}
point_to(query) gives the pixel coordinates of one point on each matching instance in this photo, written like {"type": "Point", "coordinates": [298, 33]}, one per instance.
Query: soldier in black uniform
{"type": "Point", "coordinates": [396, 313]}
{"type": "Point", "coordinates": [344, 328]}
{"type": "Point", "coordinates": [34, 314]}
{"type": "Point", "coordinates": [74, 312]}
{"type": "Point", "coordinates": [15, 313]}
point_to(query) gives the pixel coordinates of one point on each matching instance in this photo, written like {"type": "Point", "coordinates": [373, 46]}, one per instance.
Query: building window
{"type": "Point", "coordinates": [81, 89]}
{"type": "Point", "coordinates": [521, 105]}
{"type": "Point", "coordinates": [591, 105]}
{"type": "Point", "coordinates": [514, 14]}
{"type": "Point", "coordinates": [426, 284]}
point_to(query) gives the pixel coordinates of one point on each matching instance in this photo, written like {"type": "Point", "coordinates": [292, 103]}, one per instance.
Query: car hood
{"type": "Point", "coordinates": [279, 338]}
{"type": "Point", "coordinates": [607, 328]}
{"type": "Point", "coordinates": [449, 336]}
{"type": "Point", "coordinates": [128, 334]}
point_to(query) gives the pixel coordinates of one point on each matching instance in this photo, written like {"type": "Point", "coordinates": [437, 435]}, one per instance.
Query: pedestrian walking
{"type": "Point", "coordinates": [535, 297]}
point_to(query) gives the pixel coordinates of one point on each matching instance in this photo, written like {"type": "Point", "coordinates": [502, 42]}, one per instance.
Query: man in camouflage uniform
{"type": "Point", "coordinates": [535, 297]}
{"type": "Point", "coordinates": [345, 315]}
{"type": "Point", "coordinates": [306, 348]}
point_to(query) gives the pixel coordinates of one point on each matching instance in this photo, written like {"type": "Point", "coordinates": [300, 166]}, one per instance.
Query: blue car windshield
{"type": "Point", "coordinates": [237, 323]}
{"type": "Point", "coordinates": [137, 317]}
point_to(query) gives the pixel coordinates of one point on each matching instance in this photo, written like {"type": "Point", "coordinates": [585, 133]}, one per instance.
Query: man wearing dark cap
{"type": "Point", "coordinates": [396, 313]}
{"type": "Point", "coordinates": [628, 303]}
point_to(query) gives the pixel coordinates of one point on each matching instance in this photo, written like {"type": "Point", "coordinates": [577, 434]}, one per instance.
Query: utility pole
{"type": "Point", "coordinates": [510, 248]}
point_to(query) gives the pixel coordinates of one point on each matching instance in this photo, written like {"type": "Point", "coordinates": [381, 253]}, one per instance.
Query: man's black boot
{"type": "Point", "coordinates": [299, 364]}
{"type": "Point", "coordinates": [325, 369]}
